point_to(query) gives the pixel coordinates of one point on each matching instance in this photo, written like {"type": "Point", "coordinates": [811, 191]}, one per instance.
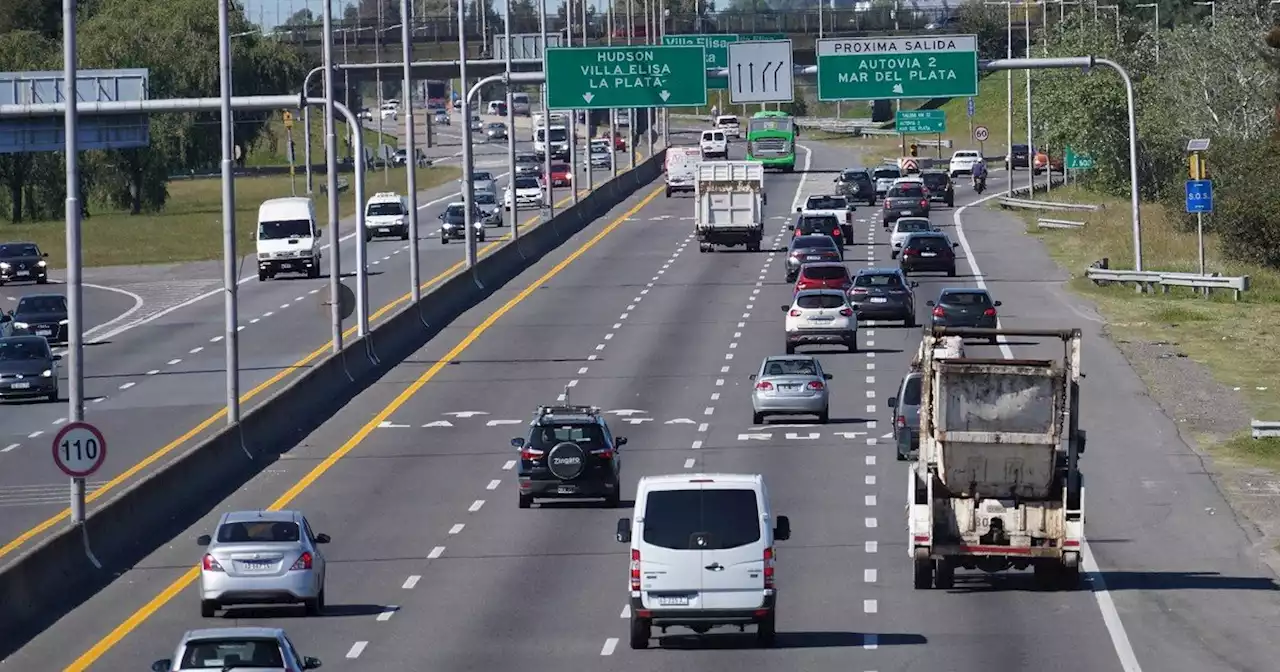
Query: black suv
{"type": "Point", "coordinates": [928, 253]}
{"type": "Point", "coordinates": [23, 262]}
{"type": "Point", "coordinates": [884, 294]}
{"type": "Point", "coordinates": [940, 187]}
{"type": "Point", "coordinates": [570, 454]}
{"type": "Point", "coordinates": [1018, 157]}
{"type": "Point", "coordinates": [856, 184]}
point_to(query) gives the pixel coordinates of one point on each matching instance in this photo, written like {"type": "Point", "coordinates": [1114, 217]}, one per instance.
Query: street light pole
{"type": "Point", "coordinates": [1008, 95]}
{"type": "Point", "coordinates": [468, 194]}
{"type": "Point", "coordinates": [511, 124]}
{"type": "Point", "coordinates": [331, 179]}
{"type": "Point", "coordinates": [1156, 34]}
{"type": "Point", "coordinates": [229, 258]}
{"type": "Point", "coordinates": [548, 191]}
{"type": "Point", "coordinates": [410, 150]}
{"type": "Point", "coordinates": [1031, 172]}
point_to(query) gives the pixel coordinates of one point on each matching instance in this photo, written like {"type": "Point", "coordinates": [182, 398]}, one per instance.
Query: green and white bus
{"type": "Point", "coordinates": [771, 139]}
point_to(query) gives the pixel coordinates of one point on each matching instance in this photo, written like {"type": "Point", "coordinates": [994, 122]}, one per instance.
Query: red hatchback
{"type": "Point", "coordinates": [561, 176]}
{"type": "Point", "coordinates": [824, 275]}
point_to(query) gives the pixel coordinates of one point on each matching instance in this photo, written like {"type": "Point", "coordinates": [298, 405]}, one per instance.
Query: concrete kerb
{"type": "Point", "coordinates": [54, 576]}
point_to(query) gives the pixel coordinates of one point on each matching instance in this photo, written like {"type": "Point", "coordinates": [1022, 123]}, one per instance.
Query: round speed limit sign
{"type": "Point", "coordinates": [980, 134]}
{"type": "Point", "coordinates": [79, 449]}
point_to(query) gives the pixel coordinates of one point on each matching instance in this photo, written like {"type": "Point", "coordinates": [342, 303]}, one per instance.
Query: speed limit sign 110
{"type": "Point", "coordinates": [79, 449]}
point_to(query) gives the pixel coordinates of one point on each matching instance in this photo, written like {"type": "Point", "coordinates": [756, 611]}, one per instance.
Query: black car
{"type": "Point", "coordinates": [904, 200]}
{"type": "Point", "coordinates": [809, 249]}
{"type": "Point", "coordinates": [23, 262]}
{"type": "Point", "coordinates": [819, 225]}
{"type": "Point", "coordinates": [1019, 157]}
{"type": "Point", "coordinates": [570, 453]}
{"type": "Point", "coordinates": [884, 294]}
{"type": "Point", "coordinates": [828, 202]}
{"type": "Point", "coordinates": [967, 307]}
{"type": "Point", "coordinates": [40, 315]}
{"type": "Point", "coordinates": [940, 187]}
{"type": "Point", "coordinates": [928, 253]}
{"type": "Point", "coordinates": [453, 224]}
{"type": "Point", "coordinates": [27, 368]}
{"type": "Point", "coordinates": [528, 165]}
{"type": "Point", "coordinates": [857, 185]}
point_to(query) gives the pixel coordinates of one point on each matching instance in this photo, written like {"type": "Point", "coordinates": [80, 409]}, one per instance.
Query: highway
{"type": "Point", "coordinates": [156, 385]}
{"type": "Point", "coordinates": [432, 566]}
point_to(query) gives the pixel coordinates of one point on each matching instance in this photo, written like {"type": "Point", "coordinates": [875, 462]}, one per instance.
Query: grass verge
{"type": "Point", "coordinates": [1237, 341]}
{"type": "Point", "coordinates": [272, 146]}
{"type": "Point", "coordinates": [190, 226]}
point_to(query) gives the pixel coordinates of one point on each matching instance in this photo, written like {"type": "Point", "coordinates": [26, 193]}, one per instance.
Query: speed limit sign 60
{"type": "Point", "coordinates": [980, 134]}
{"type": "Point", "coordinates": [79, 449]}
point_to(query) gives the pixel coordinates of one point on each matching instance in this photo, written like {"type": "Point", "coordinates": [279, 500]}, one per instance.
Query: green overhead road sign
{"type": "Point", "coordinates": [873, 68]}
{"type": "Point", "coordinates": [1073, 161]}
{"type": "Point", "coordinates": [920, 121]}
{"type": "Point", "coordinates": [601, 78]}
{"type": "Point", "coordinates": [717, 47]}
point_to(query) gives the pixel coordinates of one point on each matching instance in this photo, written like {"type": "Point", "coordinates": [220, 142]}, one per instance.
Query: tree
{"type": "Point", "coordinates": [23, 194]}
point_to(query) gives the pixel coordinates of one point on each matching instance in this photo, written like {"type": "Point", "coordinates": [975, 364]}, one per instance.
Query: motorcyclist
{"type": "Point", "coordinates": [715, 112]}
{"type": "Point", "coordinates": [980, 175]}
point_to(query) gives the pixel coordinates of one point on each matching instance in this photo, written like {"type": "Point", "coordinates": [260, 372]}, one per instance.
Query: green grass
{"type": "Point", "coordinates": [190, 226]}
{"type": "Point", "coordinates": [272, 146]}
{"type": "Point", "coordinates": [1235, 340]}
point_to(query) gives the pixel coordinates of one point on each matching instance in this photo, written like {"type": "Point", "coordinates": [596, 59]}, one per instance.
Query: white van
{"type": "Point", "coordinates": [520, 104]}
{"type": "Point", "coordinates": [702, 554]}
{"type": "Point", "coordinates": [288, 238]}
{"type": "Point", "coordinates": [680, 167]}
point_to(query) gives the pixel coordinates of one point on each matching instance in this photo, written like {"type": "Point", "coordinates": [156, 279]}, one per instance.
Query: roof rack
{"type": "Point", "coordinates": [567, 408]}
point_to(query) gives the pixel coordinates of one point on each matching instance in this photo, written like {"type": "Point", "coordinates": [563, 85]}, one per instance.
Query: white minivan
{"type": "Point", "coordinates": [680, 166]}
{"type": "Point", "coordinates": [702, 555]}
{"type": "Point", "coordinates": [288, 238]}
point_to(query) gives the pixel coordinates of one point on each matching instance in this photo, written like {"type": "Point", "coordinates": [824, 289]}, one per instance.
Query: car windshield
{"type": "Point", "coordinates": [913, 225]}
{"type": "Point", "coordinates": [727, 121]}
{"type": "Point", "coordinates": [546, 437]}
{"type": "Point", "coordinates": [557, 134]}
{"type": "Point", "coordinates": [965, 299]}
{"type": "Point", "coordinates": [928, 243]}
{"type": "Point", "coordinates": [23, 349]}
{"type": "Point", "coordinates": [24, 250]}
{"type": "Point", "coordinates": [820, 301]}
{"type": "Point", "coordinates": [877, 280]}
{"type": "Point", "coordinates": [790, 367]}
{"type": "Point", "coordinates": [907, 191]}
{"type": "Point", "coordinates": [702, 520]}
{"type": "Point", "coordinates": [969, 155]}
{"type": "Point", "coordinates": [826, 203]}
{"type": "Point", "coordinates": [293, 228]}
{"type": "Point", "coordinates": [258, 531]}
{"type": "Point", "coordinates": [526, 183]}
{"type": "Point", "coordinates": [936, 179]}
{"type": "Point", "coordinates": [825, 272]}
{"type": "Point", "coordinates": [815, 243]}
{"type": "Point", "coordinates": [455, 212]}
{"type": "Point", "coordinates": [1021, 149]}
{"type": "Point", "coordinates": [911, 392]}
{"type": "Point", "coordinates": [887, 173]}
{"type": "Point", "coordinates": [818, 223]}
{"type": "Point", "coordinates": [559, 168]}
{"type": "Point", "coordinates": [386, 209]}
{"type": "Point", "coordinates": [225, 654]}
{"type": "Point", "coordinates": [41, 304]}
{"type": "Point", "coordinates": [855, 176]}
{"type": "Point", "coordinates": [481, 177]}
{"type": "Point", "coordinates": [526, 158]}
{"type": "Point", "coordinates": [485, 198]}
{"type": "Point", "coordinates": [497, 127]}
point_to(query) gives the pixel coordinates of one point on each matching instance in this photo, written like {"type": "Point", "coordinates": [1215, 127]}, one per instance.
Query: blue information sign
{"type": "Point", "coordinates": [1199, 196]}
{"type": "Point", "coordinates": [971, 107]}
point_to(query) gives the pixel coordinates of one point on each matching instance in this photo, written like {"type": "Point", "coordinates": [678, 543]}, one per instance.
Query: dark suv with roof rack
{"type": "Point", "coordinates": [569, 454]}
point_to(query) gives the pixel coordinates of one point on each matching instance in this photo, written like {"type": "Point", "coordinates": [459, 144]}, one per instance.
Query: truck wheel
{"type": "Point", "coordinates": [640, 631]}
{"type": "Point", "coordinates": [923, 578]}
{"type": "Point", "coordinates": [1070, 571]}
{"type": "Point", "coordinates": [944, 574]}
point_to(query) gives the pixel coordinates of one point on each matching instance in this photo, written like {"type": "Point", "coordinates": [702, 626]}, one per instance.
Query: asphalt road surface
{"type": "Point", "coordinates": [103, 306]}
{"type": "Point", "coordinates": [433, 567]}
{"type": "Point", "coordinates": [158, 385]}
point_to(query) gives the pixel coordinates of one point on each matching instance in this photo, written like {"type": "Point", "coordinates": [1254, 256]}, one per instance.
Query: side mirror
{"type": "Point", "coordinates": [46, 254]}
{"type": "Point", "coordinates": [791, 227]}
{"type": "Point", "coordinates": [161, 665]}
{"type": "Point", "coordinates": [930, 303]}
{"type": "Point", "coordinates": [57, 358]}
{"type": "Point", "coordinates": [1080, 441]}
{"type": "Point", "coordinates": [624, 531]}
{"type": "Point", "coordinates": [786, 308]}
{"type": "Point", "coordinates": [621, 441]}
{"type": "Point", "coordinates": [783, 530]}
{"type": "Point", "coordinates": [914, 283]}
{"type": "Point", "coordinates": [955, 244]}
{"type": "Point", "coordinates": [799, 209]}
{"type": "Point", "coordinates": [517, 442]}
{"type": "Point", "coordinates": [827, 376]}
{"type": "Point", "coordinates": [309, 663]}
{"type": "Point", "coordinates": [204, 540]}
{"type": "Point", "coordinates": [892, 403]}
{"type": "Point", "coordinates": [751, 377]}
{"type": "Point", "coordinates": [999, 303]}
{"type": "Point", "coordinates": [323, 538]}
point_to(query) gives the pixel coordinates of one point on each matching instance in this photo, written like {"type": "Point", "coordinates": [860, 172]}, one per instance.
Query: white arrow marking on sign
{"type": "Point", "coordinates": [387, 424]}
{"type": "Point", "coordinates": [588, 96]}
{"type": "Point", "coordinates": [636, 421]}
{"type": "Point", "coordinates": [851, 435]}
{"type": "Point", "coordinates": [756, 437]}
{"type": "Point", "coordinates": [661, 94]}
{"type": "Point", "coordinates": [627, 411]}
{"type": "Point", "coordinates": [495, 423]}
{"type": "Point", "coordinates": [811, 436]}
{"type": "Point", "coordinates": [439, 423]}
{"type": "Point", "coordinates": [760, 71]}
{"type": "Point", "coordinates": [466, 414]}
{"type": "Point", "coordinates": [679, 421]}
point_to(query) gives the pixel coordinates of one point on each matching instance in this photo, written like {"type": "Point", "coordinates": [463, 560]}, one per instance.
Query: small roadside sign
{"type": "Point", "coordinates": [980, 133]}
{"type": "Point", "coordinates": [1199, 196]}
{"type": "Point", "coordinates": [79, 449]}
{"type": "Point", "coordinates": [288, 119]}
{"type": "Point", "coordinates": [971, 108]}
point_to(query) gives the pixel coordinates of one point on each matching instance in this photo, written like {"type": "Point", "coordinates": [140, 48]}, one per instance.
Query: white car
{"type": "Point", "coordinates": [702, 555]}
{"type": "Point", "coordinates": [836, 206]}
{"type": "Point", "coordinates": [714, 145]}
{"type": "Point", "coordinates": [904, 227]}
{"type": "Point", "coordinates": [528, 193]}
{"type": "Point", "coordinates": [386, 214]}
{"type": "Point", "coordinates": [884, 177]}
{"type": "Point", "coordinates": [821, 316]}
{"type": "Point", "coordinates": [390, 111]}
{"type": "Point", "coordinates": [963, 161]}
{"type": "Point", "coordinates": [729, 124]}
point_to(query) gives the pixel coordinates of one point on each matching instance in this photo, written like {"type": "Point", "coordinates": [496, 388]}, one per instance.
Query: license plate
{"type": "Point", "coordinates": [44, 332]}
{"type": "Point", "coordinates": [566, 489]}
{"type": "Point", "coordinates": [286, 264]}
{"type": "Point", "coordinates": [928, 254]}
{"type": "Point", "coordinates": [788, 387]}
{"type": "Point", "coordinates": [250, 566]}
{"type": "Point", "coordinates": [24, 273]}
{"type": "Point", "coordinates": [673, 600]}
{"type": "Point", "coordinates": [905, 212]}
{"type": "Point", "coordinates": [879, 299]}
{"type": "Point", "coordinates": [812, 257]}
{"type": "Point", "coordinates": [21, 386]}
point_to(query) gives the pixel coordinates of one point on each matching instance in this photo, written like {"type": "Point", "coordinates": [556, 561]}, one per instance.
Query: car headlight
{"type": "Point", "coordinates": [4, 264]}
{"type": "Point", "coordinates": [20, 325]}
{"type": "Point", "coordinates": [63, 322]}
{"type": "Point", "coordinates": [447, 225]}
{"type": "Point", "coordinates": [42, 263]}
{"type": "Point", "coordinates": [47, 373]}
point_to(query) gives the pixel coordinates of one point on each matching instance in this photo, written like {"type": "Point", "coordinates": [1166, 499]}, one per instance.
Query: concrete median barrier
{"type": "Point", "coordinates": [52, 577]}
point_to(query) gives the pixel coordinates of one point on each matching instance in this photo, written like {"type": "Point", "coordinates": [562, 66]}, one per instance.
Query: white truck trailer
{"type": "Point", "coordinates": [729, 204]}
{"type": "Point", "coordinates": [997, 483]}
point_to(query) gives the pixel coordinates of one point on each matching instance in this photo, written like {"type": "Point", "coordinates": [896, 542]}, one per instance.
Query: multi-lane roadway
{"type": "Point", "coordinates": [155, 385]}
{"type": "Point", "coordinates": [433, 567]}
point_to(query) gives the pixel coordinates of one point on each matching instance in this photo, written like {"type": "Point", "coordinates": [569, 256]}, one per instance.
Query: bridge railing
{"type": "Point", "coordinates": [444, 28]}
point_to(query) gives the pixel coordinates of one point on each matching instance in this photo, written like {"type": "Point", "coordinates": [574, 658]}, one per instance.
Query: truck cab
{"type": "Point", "coordinates": [288, 239]}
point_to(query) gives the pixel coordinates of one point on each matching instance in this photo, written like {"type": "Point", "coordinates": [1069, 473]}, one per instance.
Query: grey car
{"type": "Point", "coordinates": [262, 557]}
{"type": "Point", "coordinates": [488, 204]}
{"type": "Point", "coordinates": [528, 165]}
{"type": "Point", "coordinates": [441, 118]}
{"type": "Point", "coordinates": [965, 307]}
{"type": "Point", "coordinates": [28, 368]}
{"type": "Point", "coordinates": [809, 249]}
{"type": "Point", "coordinates": [265, 649]}
{"type": "Point", "coordinates": [884, 294]}
{"type": "Point", "coordinates": [495, 131]}
{"type": "Point", "coordinates": [904, 200]}
{"type": "Point", "coordinates": [790, 385]}
{"type": "Point", "coordinates": [482, 180]}
{"type": "Point", "coordinates": [906, 416]}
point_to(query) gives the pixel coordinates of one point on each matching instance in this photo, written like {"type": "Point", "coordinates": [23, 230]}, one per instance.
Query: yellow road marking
{"type": "Point", "coordinates": [189, 577]}
{"type": "Point", "coordinates": [151, 459]}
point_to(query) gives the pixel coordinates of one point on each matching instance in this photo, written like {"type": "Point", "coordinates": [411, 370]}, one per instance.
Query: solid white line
{"type": "Point", "coordinates": [609, 645]}
{"type": "Point", "coordinates": [411, 582]}
{"type": "Point", "coordinates": [435, 553]}
{"type": "Point", "coordinates": [357, 649]}
{"type": "Point", "coordinates": [1110, 616]}
{"type": "Point", "coordinates": [475, 506]}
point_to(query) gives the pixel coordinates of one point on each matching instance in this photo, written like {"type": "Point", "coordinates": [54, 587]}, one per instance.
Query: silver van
{"type": "Point", "coordinates": [906, 416]}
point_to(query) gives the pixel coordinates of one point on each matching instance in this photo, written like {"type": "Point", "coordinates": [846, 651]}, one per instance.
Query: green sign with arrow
{"type": "Point", "coordinates": [601, 78]}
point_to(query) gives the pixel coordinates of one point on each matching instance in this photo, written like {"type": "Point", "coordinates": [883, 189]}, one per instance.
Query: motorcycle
{"type": "Point", "coordinates": [980, 184]}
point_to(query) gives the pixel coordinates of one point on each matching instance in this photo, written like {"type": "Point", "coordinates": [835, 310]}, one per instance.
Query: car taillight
{"type": "Point", "coordinates": [304, 562]}
{"type": "Point", "coordinates": [859, 290]}
{"type": "Point", "coordinates": [531, 454]}
{"type": "Point", "coordinates": [635, 569]}
{"type": "Point", "coordinates": [794, 313]}
{"type": "Point", "coordinates": [803, 284]}
{"type": "Point", "coordinates": [816, 385]}
{"type": "Point", "coordinates": [835, 233]}
{"type": "Point", "coordinates": [924, 203]}
{"type": "Point", "coordinates": [768, 568]}
{"type": "Point", "coordinates": [764, 385]}
{"type": "Point", "coordinates": [902, 421]}
{"type": "Point", "coordinates": [910, 252]}
{"type": "Point", "coordinates": [603, 453]}
{"type": "Point", "coordinates": [939, 312]}
{"type": "Point", "coordinates": [886, 205]}
{"type": "Point", "coordinates": [990, 312]}
{"type": "Point", "coordinates": [210, 564]}
{"type": "Point", "coordinates": [846, 312]}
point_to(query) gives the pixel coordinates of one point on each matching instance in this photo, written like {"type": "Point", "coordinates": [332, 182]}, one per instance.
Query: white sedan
{"type": "Point", "coordinates": [963, 161]}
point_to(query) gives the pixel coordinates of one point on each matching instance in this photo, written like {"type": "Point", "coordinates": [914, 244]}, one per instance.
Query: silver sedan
{"type": "Point", "coordinates": [790, 385]}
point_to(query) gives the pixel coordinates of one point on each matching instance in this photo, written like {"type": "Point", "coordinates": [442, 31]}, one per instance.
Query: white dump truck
{"type": "Point", "coordinates": [729, 204]}
{"type": "Point", "coordinates": [997, 483]}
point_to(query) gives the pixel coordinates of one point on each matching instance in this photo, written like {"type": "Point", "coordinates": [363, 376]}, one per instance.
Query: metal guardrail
{"type": "Point", "coordinates": [343, 185]}
{"type": "Point", "coordinates": [1010, 202]}
{"type": "Point", "coordinates": [1265, 429]}
{"type": "Point", "coordinates": [1148, 280]}
{"type": "Point", "coordinates": [1045, 223]}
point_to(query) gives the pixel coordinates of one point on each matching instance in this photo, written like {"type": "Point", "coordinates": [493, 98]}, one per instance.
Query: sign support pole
{"type": "Point", "coordinates": [1200, 238]}
{"type": "Point", "coordinates": [75, 326]}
